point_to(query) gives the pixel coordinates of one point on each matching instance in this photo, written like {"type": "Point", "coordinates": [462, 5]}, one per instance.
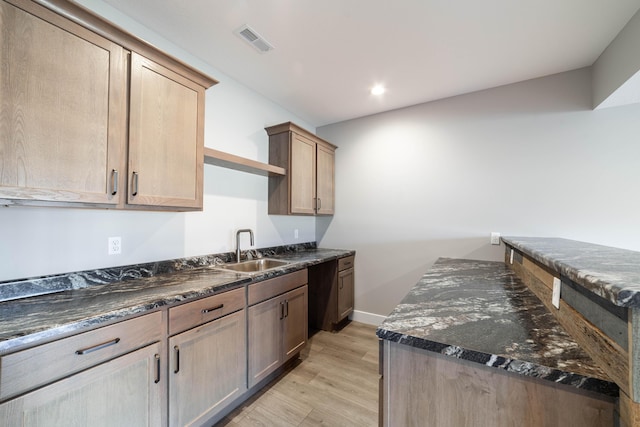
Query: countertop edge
{"type": "Point", "coordinates": [515, 366]}
{"type": "Point", "coordinates": [613, 293]}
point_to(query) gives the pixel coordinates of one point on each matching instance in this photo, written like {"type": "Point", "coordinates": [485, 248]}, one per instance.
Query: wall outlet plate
{"type": "Point", "coordinates": [555, 296]}
{"type": "Point", "coordinates": [115, 245]}
{"type": "Point", "coordinates": [495, 238]}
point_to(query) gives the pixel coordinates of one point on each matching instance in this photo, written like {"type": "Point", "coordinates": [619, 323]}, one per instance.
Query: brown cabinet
{"type": "Point", "coordinates": [111, 376]}
{"type": "Point", "coordinates": [345, 287]}
{"type": "Point", "coordinates": [69, 99]}
{"type": "Point", "coordinates": [62, 109]}
{"type": "Point", "coordinates": [165, 137]}
{"type": "Point", "coordinates": [331, 293]}
{"type": "Point", "coordinates": [309, 185]}
{"type": "Point", "coordinates": [277, 323]}
{"type": "Point", "coordinates": [207, 364]}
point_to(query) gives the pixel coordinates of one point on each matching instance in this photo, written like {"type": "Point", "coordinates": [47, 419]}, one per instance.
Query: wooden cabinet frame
{"type": "Point", "coordinates": [309, 186]}
{"type": "Point", "coordinates": [99, 176]}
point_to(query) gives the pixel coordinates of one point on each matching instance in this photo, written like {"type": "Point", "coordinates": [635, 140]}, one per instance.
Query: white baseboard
{"type": "Point", "coordinates": [368, 318]}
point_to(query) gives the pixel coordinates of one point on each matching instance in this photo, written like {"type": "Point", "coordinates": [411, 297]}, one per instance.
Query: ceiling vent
{"type": "Point", "coordinates": [250, 35]}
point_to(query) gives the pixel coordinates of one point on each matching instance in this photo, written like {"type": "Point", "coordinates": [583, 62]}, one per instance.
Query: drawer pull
{"type": "Point", "coordinates": [135, 184]}
{"type": "Point", "coordinates": [347, 264]}
{"type": "Point", "coordinates": [97, 347]}
{"type": "Point", "coordinates": [176, 349]}
{"type": "Point", "coordinates": [157, 357]}
{"type": "Point", "coordinates": [114, 182]}
{"type": "Point", "coordinates": [209, 310]}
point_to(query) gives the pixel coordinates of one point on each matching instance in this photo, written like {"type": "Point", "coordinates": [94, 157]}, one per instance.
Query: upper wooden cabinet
{"type": "Point", "coordinates": [71, 91]}
{"type": "Point", "coordinates": [308, 188]}
{"type": "Point", "coordinates": [165, 137]}
{"type": "Point", "coordinates": [62, 109]}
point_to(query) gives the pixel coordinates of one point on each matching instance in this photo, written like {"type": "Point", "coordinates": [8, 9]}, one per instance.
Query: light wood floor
{"type": "Point", "coordinates": [335, 383]}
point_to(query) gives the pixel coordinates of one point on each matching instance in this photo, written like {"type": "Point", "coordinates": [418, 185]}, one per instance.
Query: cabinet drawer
{"type": "Point", "coordinates": [34, 367]}
{"type": "Point", "coordinates": [346, 262]}
{"type": "Point", "coordinates": [204, 310]}
{"type": "Point", "coordinates": [269, 288]}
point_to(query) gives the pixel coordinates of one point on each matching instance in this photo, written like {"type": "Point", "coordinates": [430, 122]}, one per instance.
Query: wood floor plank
{"type": "Point", "coordinates": [335, 383]}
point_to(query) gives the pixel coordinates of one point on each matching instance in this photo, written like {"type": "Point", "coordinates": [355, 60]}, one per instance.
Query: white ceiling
{"type": "Point", "coordinates": [329, 53]}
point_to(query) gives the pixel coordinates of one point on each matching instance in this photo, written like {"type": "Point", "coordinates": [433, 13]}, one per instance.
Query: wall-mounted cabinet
{"type": "Point", "coordinates": [309, 186]}
{"type": "Point", "coordinates": [166, 133]}
{"type": "Point", "coordinates": [68, 105]}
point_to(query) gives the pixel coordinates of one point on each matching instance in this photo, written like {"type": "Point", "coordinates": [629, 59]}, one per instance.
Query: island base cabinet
{"type": "Point", "coordinates": [123, 392]}
{"type": "Point", "coordinates": [277, 331]}
{"type": "Point", "coordinates": [207, 369]}
{"type": "Point", "coordinates": [428, 389]}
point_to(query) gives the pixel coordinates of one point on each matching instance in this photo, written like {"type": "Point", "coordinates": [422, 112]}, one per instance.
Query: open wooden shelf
{"type": "Point", "coordinates": [226, 160]}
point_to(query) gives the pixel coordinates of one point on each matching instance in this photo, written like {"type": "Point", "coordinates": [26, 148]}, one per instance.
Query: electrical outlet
{"type": "Point", "coordinates": [495, 238]}
{"type": "Point", "coordinates": [115, 245]}
{"type": "Point", "coordinates": [295, 233]}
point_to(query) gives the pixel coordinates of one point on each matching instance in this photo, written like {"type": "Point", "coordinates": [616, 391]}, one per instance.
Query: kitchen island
{"type": "Point", "coordinates": [472, 345]}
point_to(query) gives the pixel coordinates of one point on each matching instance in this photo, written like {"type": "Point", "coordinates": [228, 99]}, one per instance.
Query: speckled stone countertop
{"type": "Point", "coordinates": [88, 299]}
{"type": "Point", "coordinates": [481, 312]}
{"type": "Point", "coordinates": [611, 273]}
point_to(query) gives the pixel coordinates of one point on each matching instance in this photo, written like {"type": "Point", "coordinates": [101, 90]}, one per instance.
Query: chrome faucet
{"type": "Point", "coordinates": [244, 230]}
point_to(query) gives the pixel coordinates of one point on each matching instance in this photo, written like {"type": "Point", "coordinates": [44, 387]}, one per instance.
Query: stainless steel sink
{"type": "Point", "coordinates": [254, 266]}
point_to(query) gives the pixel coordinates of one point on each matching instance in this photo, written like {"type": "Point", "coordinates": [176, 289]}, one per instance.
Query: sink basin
{"type": "Point", "coordinates": [255, 265]}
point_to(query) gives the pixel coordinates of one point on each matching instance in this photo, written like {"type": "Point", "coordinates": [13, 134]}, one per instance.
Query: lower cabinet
{"type": "Point", "coordinates": [123, 392]}
{"type": "Point", "coordinates": [277, 328]}
{"type": "Point", "coordinates": [207, 357]}
{"type": "Point", "coordinates": [332, 298]}
{"type": "Point", "coordinates": [345, 293]}
{"type": "Point", "coordinates": [181, 366]}
{"type": "Point", "coordinates": [207, 369]}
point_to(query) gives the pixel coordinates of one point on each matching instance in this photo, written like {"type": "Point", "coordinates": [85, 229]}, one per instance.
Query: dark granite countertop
{"type": "Point", "coordinates": [611, 273]}
{"type": "Point", "coordinates": [481, 312]}
{"type": "Point", "coordinates": [88, 299]}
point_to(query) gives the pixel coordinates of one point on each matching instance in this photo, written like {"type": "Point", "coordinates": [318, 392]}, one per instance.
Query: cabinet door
{"type": "Point", "coordinates": [207, 369]}
{"type": "Point", "coordinates": [345, 293]}
{"type": "Point", "coordinates": [62, 109]}
{"type": "Point", "coordinates": [122, 392]}
{"type": "Point", "coordinates": [302, 177]}
{"type": "Point", "coordinates": [325, 180]}
{"type": "Point", "coordinates": [295, 322]}
{"type": "Point", "coordinates": [165, 137]}
{"type": "Point", "coordinates": [265, 339]}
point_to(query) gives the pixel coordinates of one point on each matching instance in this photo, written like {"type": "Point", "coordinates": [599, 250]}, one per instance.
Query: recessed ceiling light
{"type": "Point", "coordinates": [377, 90]}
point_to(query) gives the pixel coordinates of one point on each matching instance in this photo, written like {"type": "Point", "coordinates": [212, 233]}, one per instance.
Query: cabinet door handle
{"type": "Point", "coordinates": [157, 357]}
{"type": "Point", "coordinates": [286, 306]}
{"type": "Point", "coordinates": [97, 347]}
{"type": "Point", "coordinates": [282, 310]}
{"type": "Point", "coordinates": [134, 184]}
{"type": "Point", "coordinates": [114, 182]}
{"type": "Point", "coordinates": [176, 349]}
{"type": "Point", "coordinates": [319, 203]}
{"type": "Point", "coordinates": [209, 310]}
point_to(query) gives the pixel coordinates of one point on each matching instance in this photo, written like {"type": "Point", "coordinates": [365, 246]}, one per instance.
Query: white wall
{"type": "Point", "coordinates": [618, 66]}
{"type": "Point", "coordinates": [529, 159]}
{"type": "Point", "coordinates": [40, 241]}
